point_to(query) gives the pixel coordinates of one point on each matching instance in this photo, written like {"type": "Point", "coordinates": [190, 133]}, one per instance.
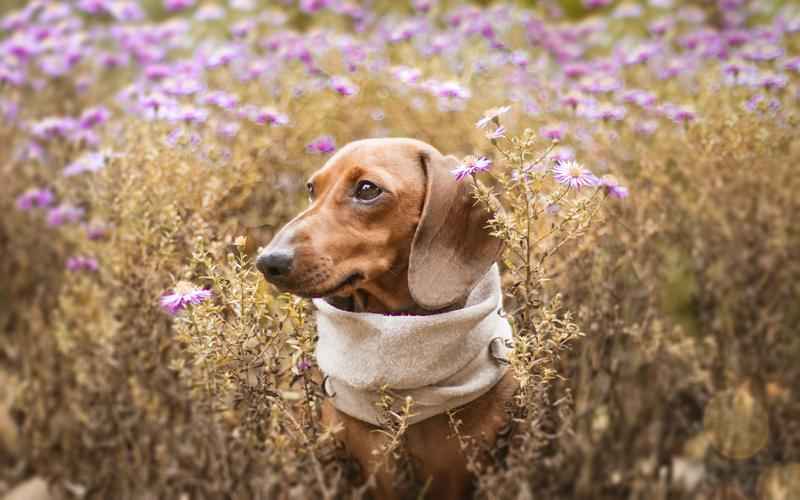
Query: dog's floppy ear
{"type": "Point", "coordinates": [452, 248]}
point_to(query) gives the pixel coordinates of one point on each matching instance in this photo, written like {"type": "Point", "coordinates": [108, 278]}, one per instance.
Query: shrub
{"type": "Point", "coordinates": [150, 149]}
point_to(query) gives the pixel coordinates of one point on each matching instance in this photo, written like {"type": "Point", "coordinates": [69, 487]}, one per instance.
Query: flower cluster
{"type": "Point", "coordinates": [142, 138]}
{"type": "Point", "coordinates": [182, 295]}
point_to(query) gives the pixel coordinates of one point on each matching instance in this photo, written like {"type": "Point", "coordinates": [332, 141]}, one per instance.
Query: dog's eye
{"type": "Point", "coordinates": [310, 188]}
{"type": "Point", "coordinates": [366, 191]}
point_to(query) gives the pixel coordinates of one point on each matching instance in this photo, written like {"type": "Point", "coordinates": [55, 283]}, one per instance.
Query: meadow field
{"type": "Point", "coordinates": [642, 158]}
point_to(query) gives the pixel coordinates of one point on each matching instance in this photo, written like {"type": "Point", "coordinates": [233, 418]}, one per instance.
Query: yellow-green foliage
{"type": "Point", "coordinates": [631, 315]}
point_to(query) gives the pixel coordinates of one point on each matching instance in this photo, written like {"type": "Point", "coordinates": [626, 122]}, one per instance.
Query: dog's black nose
{"type": "Point", "coordinates": [275, 265]}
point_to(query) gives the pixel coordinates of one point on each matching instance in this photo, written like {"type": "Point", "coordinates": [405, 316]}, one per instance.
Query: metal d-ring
{"type": "Point", "coordinates": [328, 393]}
{"type": "Point", "coordinates": [493, 349]}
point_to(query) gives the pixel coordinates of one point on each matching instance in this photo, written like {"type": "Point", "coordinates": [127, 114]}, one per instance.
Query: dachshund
{"type": "Point", "coordinates": [390, 231]}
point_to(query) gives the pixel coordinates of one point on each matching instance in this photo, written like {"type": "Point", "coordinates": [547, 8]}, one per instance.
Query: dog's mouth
{"type": "Point", "coordinates": [349, 281]}
{"type": "Point", "coordinates": [342, 285]}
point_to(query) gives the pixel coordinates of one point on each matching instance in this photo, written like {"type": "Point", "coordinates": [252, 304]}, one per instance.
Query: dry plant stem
{"type": "Point", "coordinates": [328, 492]}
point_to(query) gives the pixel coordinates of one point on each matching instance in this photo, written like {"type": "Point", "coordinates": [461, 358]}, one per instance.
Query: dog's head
{"type": "Point", "coordinates": [388, 219]}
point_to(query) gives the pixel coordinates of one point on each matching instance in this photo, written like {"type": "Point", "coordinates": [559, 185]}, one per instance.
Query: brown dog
{"type": "Point", "coordinates": [389, 230]}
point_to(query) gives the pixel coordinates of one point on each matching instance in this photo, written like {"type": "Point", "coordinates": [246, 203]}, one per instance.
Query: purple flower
{"type": "Point", "coordinates": [607, 112]}
{"type": "Point", "coordinates": [89, 162]}
{"type": "Point", "coordinates": [471, 166]}
{"type": "Point", "coordinates": [627, 10]}
{"type": "Point", "coordinates": [80, 263]}
{"type": "Point", "coordinates": [451, 89]}
{"type": "Point", "coordinates": [647, 127]}
{"type": "Point", "coordinates": [209, 12]}
{"type": "Point", "coordinates": [268, 116]}
{"type": "Point", "coordinates": [111, 60]}
{"type": "Point", "coordinates": [97, 231]}
{"type": "Point", "coordinates": [641, 98]}
{"type": "Point", "coordinates": [756, 100]}
{"type": "Point", "coordinates": [52, 127]}
{"type": "Point", "coordinates": [303, 365]}
{"type": "Point", "coordinates": [221, 99]}
{"type": "Point", "coordinates": [762, 52]}
{"type": "Point", "coordinates": [680, 114]}
{"type": "Point", "coordinates": [573, 99]}
{"type": "Point", "coordinates": [322, 145]}
{"type": "Point", "coordinates": [422, 5]}
{"type": "Point", "coordinates": [614, 189]}
{"type": "Point", "coordinates": [642, 54]}
{"type": "Point", "coordinates": [600, 84]}
{"type": "Point", "coordinates": [573, 175]}
{"type": "Point", "coordinates": [12, 76]}
{"type": "Point", "coordinates": [157, 71]}
{"type": "Point", "coordinates": [182, 295]}
{"type": "Point", "coordinates": [221, 57]}
{"type": "Point", "coordinates": [191, 114]}
{"type": "Point", "coordinates": [772, 81]}
{"type": "Point", "coordinates": [554, 132]}
{"type": "Point", "coordinates": [38, 198]}
{"type": "Point", "coordinates": [660, 26]}
{"type": "Point", "coordinates": [562, 153]}
{"type": "Point", "coordinates": [313, 6]}
{"type": "Point", "coordinates": [496, 134]}
{"type": "Point", "coordinates": [93, 6]}
{"type": "Point", "coordinates": [406, 75]}
{"type": "Point", "coordinates": [792, 64]}
{"type": "Point", "coordinates": [593, 4]}
{"type": "Point", "coordinates": [182, 86]}
{"type": "Point", "coordinates": [92, 117]}
{"type": "Point", "coordinates": [343, 86]}
{"type": "Point", "coordinates": [228, 130]}
{"type": "Point", "coordinates": [492, 114]}
{"type": "Point", "coordinates": [176, 5]}
{"type": "Point", "coordinates": [64, 213]}
{"type": "Point", "coordinates": [126, 11]}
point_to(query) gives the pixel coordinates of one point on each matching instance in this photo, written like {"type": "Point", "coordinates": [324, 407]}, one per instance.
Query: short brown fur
{"type": "Point", "coordinates": [418, 249]}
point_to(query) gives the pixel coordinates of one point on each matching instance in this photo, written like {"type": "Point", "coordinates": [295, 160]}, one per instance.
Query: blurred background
{"type": "Point", "coordinates": [150, 147]}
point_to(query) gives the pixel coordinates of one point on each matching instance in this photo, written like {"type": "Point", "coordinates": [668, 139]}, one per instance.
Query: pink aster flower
{"type": "Point", "coordinates": [267, 116]}
{"type": "Point", "coordinates": [64, 213]}
{"type": "Point", "coordinates": [322, 145]}
{"type": "Point", "coordinates": [92, 117]}
{"type": "Point", "coordinates": [492, 114]}
{"type": "Point", "coordinates": [89, 162]}
{"type": "Point", "coordinates": [176, 5]}
{"type": "Point", "coordinates": [792, 64]}
{"type": "Point", "coordinates": [54, 126]}
{"type": "Point", "coordinates": [182, 295]}
{"type": "Point", "coordinates": [594, 4]}
{"type": "Point", "coordinates": [554, 132]}
{"type": "Point", "coordinates": [228, 130]}
{"type": "Point", "coordinates": [452, 89]}
{"type": "Point", "coordinates": [221, 99]}
{"type": "Point", "coordinates": [573, 175]}
{"type": "Point", "coordinates": [497, 133]}
{"type": "Point", "coordinates": [313, 6]}
{"type": "Point", "coordinates": [80, 263]}
{"type": "Point", "coordinates": [613, 188]}
{"type": "Point", "coordinates": [406, 74]}
{"type": "Point", "coordinates": [680, 114]}
{"type": "Point", "coordinates": [647, 127]}
{"type": "Point", "coordinates": [471, 166]}
{"type": "Point", "coordinates": [562, 153]}
{"type": "Point", "coordinates": [343, 86]}
{"type": "Point", "coordinates": [422, 6]}
{"type": "Point", "coordinates": [302, 366]}
{"type": "Point", "coordinates": [96, 231]}
{"type": "Point", "coordinates": [35, 198]}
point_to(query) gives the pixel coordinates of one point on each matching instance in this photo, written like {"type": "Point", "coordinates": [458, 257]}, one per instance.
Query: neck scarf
{"type": "Point", "coordinates": [442, 361]}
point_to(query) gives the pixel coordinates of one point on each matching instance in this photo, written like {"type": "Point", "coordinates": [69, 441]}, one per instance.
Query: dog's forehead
{"type": "Point", "coordinates": [395, 156]}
